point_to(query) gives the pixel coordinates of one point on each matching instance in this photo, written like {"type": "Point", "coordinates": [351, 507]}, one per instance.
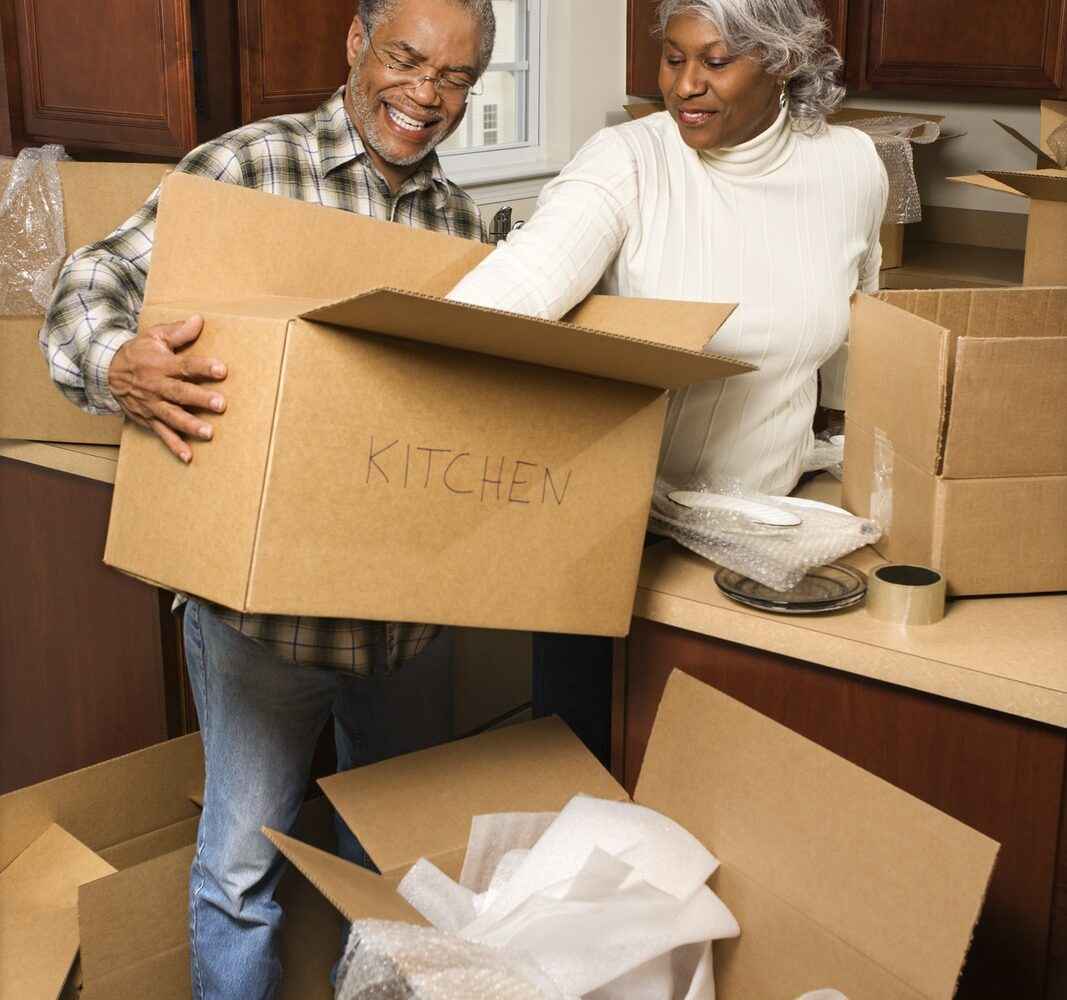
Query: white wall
{"type": "Point", "coordinates": [985, 146]}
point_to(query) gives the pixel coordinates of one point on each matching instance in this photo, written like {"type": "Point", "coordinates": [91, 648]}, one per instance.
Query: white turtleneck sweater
{"type": "Point", "coordinates": [785, 224]}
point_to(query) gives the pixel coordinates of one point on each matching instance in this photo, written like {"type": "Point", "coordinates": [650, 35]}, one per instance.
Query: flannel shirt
{"type": "Point", "coordinates": [317, 157]}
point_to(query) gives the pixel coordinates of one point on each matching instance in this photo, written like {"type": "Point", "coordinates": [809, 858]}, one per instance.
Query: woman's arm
{"type": "Point", "coordinates": [549, 265]}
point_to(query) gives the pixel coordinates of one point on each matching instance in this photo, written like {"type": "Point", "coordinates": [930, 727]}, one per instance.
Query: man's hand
{"type": "Point", "coordinates": [157, 387]}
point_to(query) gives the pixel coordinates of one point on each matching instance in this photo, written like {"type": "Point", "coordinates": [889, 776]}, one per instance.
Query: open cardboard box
{"type": "Point", "coordinates": [99, 859]}
{"type": "Point", "coordinates": [967, 387]}
{"type": "Point", "coordinates": [390, 455]}
{"type": "Point", "coordinates": [97, 198]}
{"type": "Point", "coordinates": [892, 233]}
{"type": "Point", "coordinates": [1046, 187]}
{"type": "Point", "coordinates": [836, 877]}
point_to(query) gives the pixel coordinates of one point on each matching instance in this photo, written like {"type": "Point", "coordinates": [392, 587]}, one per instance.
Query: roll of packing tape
{"type": "Point", "coordinates": [906, 595]}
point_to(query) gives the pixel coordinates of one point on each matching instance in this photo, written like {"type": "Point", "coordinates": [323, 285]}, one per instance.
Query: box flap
{"type": "Point", "coordinates": [95, 804]}
{"type": "Point", "coordinates": [272, 245]}
{"type": "Point", "coordinates": [984, 181]}
{"type": "Point", "coordinates": [1053, 115]}
{"type": "Point", "coordinates": [357, 893]}
{"type": "Point", "coordinates": [39, 913]}
{"type": "Point", "coordinates": [1006, 416]}
{"type": "Point", "coordinates": [898, 377]}
{"type": "Point", "coordinates": [688, 325]}
{"type": "Point", "coordinates": [1043, 159]}
{"type": "Point", "coordinates": [421, 804]}
{"type": "Point", "coordinates": [890, 876]}
{"type": "Point", "coordinates": [1038, 185]}
{"type": "Point", "coordinates": [535, 341]}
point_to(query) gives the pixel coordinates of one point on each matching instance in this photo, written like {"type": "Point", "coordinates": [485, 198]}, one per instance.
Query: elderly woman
{"type": "Point", "coordinates": [738, 192]}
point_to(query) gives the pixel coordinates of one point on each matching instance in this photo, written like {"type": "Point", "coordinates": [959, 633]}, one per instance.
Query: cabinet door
{"type": "Point", "coordinates": [969, 43]}
{"type": "Point", "coordinates": [112, 74]}
{"type": "Point", "coordinates": [643, 50]}
{"type": "Point", "coordinates": [292, 57]}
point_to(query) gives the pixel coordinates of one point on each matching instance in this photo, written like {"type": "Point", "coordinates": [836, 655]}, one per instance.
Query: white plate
{"type": "Point", "coordinates": [759, 513]}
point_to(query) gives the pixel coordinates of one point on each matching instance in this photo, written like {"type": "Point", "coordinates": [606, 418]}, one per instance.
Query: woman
{"type": "Point", "coordinates": [738, 192]}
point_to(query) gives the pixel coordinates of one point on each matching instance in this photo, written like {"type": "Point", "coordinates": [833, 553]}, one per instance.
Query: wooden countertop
{"type": "Point", "coordinates": [90, 461]}
{"type": "Point", "coordinates": [1003, 653]}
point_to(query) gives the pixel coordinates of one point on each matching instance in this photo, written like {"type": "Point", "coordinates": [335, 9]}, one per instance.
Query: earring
{"type": "Point", "coordinates": [782, 99]}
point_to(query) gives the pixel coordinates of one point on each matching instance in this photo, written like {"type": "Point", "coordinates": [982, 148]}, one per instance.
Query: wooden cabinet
{"type": "Point", "coordinates": [1020, 45]}
{"type": "Point", "coordinates": [153, 78]}
{"type": "Point", "coordinates": [292, 58]}
{"type": "Point", "coordinates": [949, 49]}
{"type": "Point", "coordinates": [1000, 774]}
{"type": "Point", "coordinates": [89, 658]}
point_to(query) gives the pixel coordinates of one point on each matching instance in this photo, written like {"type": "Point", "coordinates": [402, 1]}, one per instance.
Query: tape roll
{"type": "Point", "coordinates": [906, 595]}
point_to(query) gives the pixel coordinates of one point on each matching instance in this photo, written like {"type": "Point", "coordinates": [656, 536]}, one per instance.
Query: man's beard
{"type": "Point", "coordinates": [365, 112]}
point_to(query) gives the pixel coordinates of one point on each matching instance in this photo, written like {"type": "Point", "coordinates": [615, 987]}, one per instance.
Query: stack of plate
{"type": "Point", "coordinates": [825, 588]}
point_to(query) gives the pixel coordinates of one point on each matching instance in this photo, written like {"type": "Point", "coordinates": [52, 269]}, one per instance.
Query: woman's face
{"type": "Point", "coordinates": [716, 99]}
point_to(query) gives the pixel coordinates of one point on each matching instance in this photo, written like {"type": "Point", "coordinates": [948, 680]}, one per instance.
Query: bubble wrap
{"type": "Point", "coordinates": [893, 137]}
{"type": "Point", "coordinates": [32, 240]}
{"type": "Point", "coordinates": [386, 960]}
{"type": "Point", "coordinates": [1057, 142]}
{"type": "Point", "coordinates": [777, 557]}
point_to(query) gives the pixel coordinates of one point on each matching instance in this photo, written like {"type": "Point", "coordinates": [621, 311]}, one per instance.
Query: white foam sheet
{"type": "Point", "coordinates": [609, 899]}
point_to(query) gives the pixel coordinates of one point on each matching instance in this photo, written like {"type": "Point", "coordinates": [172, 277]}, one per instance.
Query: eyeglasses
{"type": "Point", "coordinates": [450, 88]}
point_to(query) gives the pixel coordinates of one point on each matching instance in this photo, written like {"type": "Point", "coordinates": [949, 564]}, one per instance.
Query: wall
{"type": "Point", "coordinates": [985, 145]}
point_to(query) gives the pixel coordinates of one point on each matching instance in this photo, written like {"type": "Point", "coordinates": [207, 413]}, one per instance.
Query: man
{"type": "Point", "coordinates": [265, 686]}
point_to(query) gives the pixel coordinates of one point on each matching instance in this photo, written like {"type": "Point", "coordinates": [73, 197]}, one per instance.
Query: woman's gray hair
{"type": "Point", "coordinates": [374, 12]}
{"type": "Point", "coordinates": [789, 36]}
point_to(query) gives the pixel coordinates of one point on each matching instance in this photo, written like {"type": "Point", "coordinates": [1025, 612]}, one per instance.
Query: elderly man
{"type": "Point", "coordinates": [266, 686]}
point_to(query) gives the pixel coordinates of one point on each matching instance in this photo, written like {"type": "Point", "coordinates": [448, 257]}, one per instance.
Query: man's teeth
{"type": "Point", "coordinates": [406, 122]}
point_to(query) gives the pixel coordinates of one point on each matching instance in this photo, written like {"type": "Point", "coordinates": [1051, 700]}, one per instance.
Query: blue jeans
{"type": "Point", "coordinates": [260, 720]}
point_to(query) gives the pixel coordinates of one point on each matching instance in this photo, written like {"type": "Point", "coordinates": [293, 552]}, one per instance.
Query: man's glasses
{"type": "Point", "coordinates": [451, 88]}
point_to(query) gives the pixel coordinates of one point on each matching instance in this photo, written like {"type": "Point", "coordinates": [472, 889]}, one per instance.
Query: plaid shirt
{"type": "Point", "coordinates": [317, 157]}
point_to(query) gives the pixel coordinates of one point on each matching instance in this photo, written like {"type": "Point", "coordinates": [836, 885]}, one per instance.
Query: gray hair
{"type": "Point", "coordinates": [375, 12]}
{"type": "Point", "coordinates": [789, 37]}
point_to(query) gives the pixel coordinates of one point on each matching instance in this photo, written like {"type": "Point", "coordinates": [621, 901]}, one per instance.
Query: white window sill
{"type": "Point", "coordinates": [504, 181]}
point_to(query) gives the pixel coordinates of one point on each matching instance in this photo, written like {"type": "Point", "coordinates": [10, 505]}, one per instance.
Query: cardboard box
{"type": "Point", "coordinates": [1046, 187]}
{"type": "Point", "coordinates": [97, 198]}
{"type": "Point", "coordinates": [836, 877]}
{"type": "Point", "coordinates": [99, 858]}
{"type": "Point", "coordinates": [968, 387]}
{"type": "Point", "coordinates": [390, 455]}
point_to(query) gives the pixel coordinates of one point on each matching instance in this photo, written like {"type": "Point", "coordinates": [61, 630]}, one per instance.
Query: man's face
{"type": "Point", "coordinates": [402, 122]}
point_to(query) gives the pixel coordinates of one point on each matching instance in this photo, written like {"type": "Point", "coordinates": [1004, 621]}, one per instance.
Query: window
{"type": "Point", "coordinates": [502, 125]}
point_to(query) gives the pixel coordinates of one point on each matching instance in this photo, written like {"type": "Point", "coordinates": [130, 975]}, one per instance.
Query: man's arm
{"type": "Point", "coordinates": [95, 354]}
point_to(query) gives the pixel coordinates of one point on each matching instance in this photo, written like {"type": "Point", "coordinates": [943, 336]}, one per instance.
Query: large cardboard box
{"type": "Point", "coordinates": [97, 198]}
{"type": "Point", "coordinates": [966, 389]}
{"type": "Point", "coordinates": [99, 860]}
{"type": "Point", "coordinates": [836, 877]}
{"type": "Point", "coordinates": [390, 455]}
{"type": "Point", "coordinates": [1046, 187]}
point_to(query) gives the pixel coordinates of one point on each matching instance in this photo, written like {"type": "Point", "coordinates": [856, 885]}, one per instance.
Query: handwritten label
{"type": "Point", "coordinates": [399, 464]}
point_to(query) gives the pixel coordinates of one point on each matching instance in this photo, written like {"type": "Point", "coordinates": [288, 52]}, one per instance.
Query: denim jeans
{"type": "Point", "coordinates": [260, 719]}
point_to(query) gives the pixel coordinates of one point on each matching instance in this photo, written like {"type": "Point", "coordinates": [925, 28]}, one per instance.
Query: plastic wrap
{"type": "Point", "coordinates": [1057, 142]}
{"type": "Point", "coordinates": [881, 508]}
{"type": "Point", "coordinates": [385, 960]}
{"type": "Point", "coordinates": [893, 137]}
{"type": "Point", "coordinates": [32, 239]}
{"type": "Point", "coordinates": [778, 556]}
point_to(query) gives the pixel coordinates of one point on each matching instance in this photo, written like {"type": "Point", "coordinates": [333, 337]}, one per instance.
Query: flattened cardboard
{"type": "Point", "coordinates": [39, 913]}
{"type": "Point", "coordinates": [836, 877]}
{"type": "Point", "coordinates": [898, 881]}
{"type": "Point", "coordinates": [97, 198]}
{"type": "Point", "coordinates": [458, 451]}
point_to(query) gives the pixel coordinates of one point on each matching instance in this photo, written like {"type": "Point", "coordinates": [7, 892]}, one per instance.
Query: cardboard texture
{"type": "Point", "coordinates": [967, 386]}
{"type": "Point", "coordinates": [1046, 187]}
{"type": "Point", "coordinates": [97, 197]}
{"type": "Point", "coordinates": [836, 877]}
{"type": "Point", "coordinates": [122, 895]}
{"type": "Point", "coordinates": [389, 455]}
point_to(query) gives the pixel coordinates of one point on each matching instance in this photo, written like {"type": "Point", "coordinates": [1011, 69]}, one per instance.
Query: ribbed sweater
{"type": "Point", "coordinates": [786, 225]}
